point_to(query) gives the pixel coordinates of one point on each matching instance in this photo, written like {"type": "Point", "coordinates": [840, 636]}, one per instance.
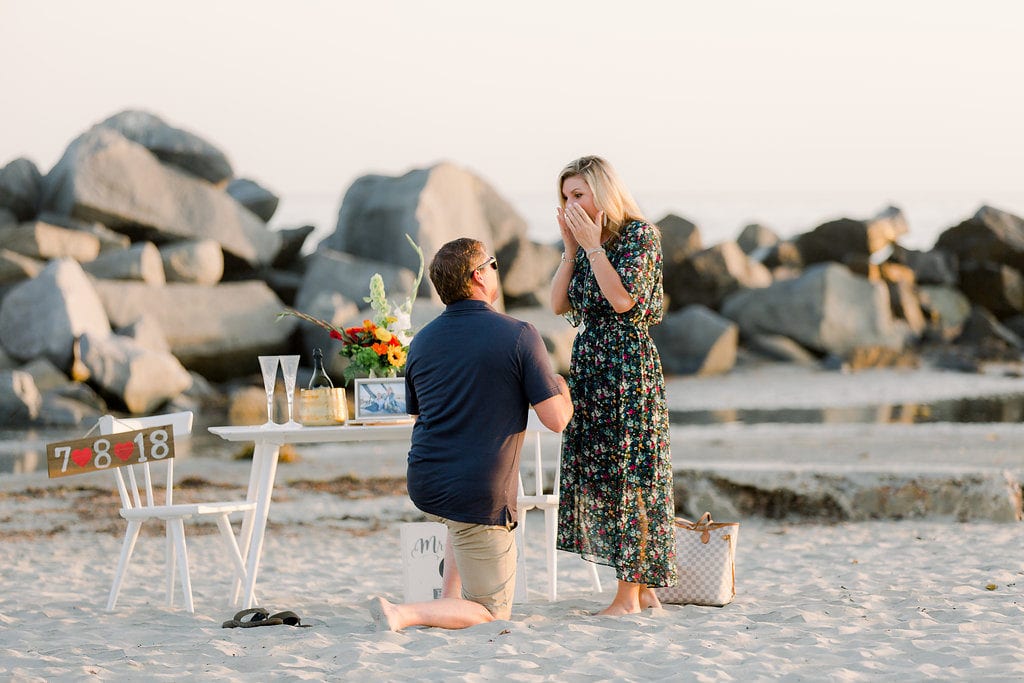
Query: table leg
{"type": "Point", "coordinates": [245, 533]}
{"type": "Point", "coordinates": [264, 461]}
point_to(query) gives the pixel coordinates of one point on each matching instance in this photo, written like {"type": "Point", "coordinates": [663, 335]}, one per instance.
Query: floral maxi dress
{"type": "Point", "coordinates": [616, 504]}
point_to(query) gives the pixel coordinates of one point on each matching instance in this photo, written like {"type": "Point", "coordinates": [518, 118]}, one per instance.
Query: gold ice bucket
{"type": "Point", "coordinates": [323, 407]}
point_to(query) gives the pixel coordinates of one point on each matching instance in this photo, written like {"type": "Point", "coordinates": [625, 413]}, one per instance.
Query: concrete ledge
{"type": "Point", "coordinates": [817, 493]}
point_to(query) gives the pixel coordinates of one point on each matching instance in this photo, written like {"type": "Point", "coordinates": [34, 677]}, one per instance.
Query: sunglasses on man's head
{"type": "Point", "coordinates": [491, 261]}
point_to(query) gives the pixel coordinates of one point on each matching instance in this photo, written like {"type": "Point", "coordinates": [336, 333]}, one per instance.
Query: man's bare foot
{"type": "Point", "coordinates": [385, 617]}
{"type": "Point", "coordinates": [649, 599]}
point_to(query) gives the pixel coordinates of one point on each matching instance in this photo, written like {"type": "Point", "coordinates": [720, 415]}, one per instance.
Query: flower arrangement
{"type": "Point", "coordinates": [379, 346]}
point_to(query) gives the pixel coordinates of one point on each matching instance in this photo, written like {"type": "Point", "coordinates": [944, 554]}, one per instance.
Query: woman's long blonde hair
{"type": "Point", "coordinates": [610, 194]}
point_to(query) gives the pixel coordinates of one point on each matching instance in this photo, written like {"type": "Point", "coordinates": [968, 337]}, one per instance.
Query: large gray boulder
{"type": "Point", "coordinates": [993, 285]}
{"type": "Point", "coordinates": [708, 276]}
{"type": "Point", "coordinates": [215, 331]}
{"type": "Point", "coordinates": [696, 341]}
{"type": "Point", "coordinates": [990, 235]}
{"type": "Point", "coordinates": [526, 271]}
{"type": "Point", "coordinates": [756, 240]}
{"type": "Point", "coordinates": [838, 239]}
{"type": "Point", "coordinates": [433, 206]}
{"type": "Point", "coordinates": [254, 197]}
{"type": "Point", "coordinates": [20, 400]}
{"type": "Point", "coordinates": [141, 261]}
{"type": "Point", "coordinates": [680, 239]}
{"type": "Point", "coordinates": [555, 330]}
{"type": "Point", "coordinates": [331, 272]}
{"type": "Point", "coordinates": [20, 187]}
{"type": "Point", "coordinates": [171, 145]}
{"type": "Point", "coordinates": [42, 316]}
{"type": "Point", "coordinates": [107, 178]}
{"type": "Point", "coordinates": [828, 309]}
{"type": "Point", "coordinates": [140, 378]}
{"type": "Point", "coordinates": [44, 241]}
{"type": "Point", "coordinates": [946, 310]}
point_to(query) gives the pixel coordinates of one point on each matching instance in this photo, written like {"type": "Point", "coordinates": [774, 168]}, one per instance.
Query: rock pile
{"type": "Point", "coordinates": [845, 294]}
{"type": "Point", "coordinates": [140, 268]}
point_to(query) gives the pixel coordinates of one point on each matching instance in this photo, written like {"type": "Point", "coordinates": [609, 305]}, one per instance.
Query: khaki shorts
{"type": "Point", "coordinates": [486, 559]}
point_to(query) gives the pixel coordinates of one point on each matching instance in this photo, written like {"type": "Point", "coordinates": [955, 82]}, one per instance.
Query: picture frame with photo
{"type": "Point", "coordinates": [380, 399]}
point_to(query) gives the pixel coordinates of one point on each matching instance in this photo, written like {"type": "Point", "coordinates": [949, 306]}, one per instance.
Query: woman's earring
{"type": "Point", "coordinates": [604, 221]}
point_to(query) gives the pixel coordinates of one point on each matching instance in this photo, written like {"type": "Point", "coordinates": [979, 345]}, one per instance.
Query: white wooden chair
{"type": "Point", "coordinates": [542, 500]}
{"type": "Point", "coordinates": [138, 505]}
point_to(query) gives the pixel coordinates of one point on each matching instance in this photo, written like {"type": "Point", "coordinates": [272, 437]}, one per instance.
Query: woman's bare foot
{"type": "Point", "coordinates": [649, 599]}
{"type": "Point", "coordinates": [617, 609]}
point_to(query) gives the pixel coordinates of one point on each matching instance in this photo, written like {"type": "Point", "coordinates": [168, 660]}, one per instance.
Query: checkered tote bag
{"type": "Point", "coordinates": [706, 559]}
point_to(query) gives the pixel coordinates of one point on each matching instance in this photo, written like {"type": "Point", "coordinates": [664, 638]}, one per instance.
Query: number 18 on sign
{"type": "Point", "coordinates": [65, 458]}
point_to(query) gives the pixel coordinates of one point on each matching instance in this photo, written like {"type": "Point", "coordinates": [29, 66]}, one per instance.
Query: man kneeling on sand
{"type": "Point", "coordinates": [471, 376]}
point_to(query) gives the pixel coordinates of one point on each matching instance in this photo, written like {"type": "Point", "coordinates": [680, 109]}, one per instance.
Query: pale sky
{"type": "Point", "coordinates": [724, 112]}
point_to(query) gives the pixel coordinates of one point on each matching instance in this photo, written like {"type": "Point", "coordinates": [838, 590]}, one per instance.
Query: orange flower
{"type": "Point", "coordinates": [380, 348]}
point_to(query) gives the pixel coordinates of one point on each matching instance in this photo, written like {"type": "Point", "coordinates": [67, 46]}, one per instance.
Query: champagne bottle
{"type": "Point", "coordinates": [319, 380]}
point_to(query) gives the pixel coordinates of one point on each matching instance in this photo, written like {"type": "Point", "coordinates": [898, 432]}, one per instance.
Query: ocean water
{"type": "Point", "coordinates": [719, 216]}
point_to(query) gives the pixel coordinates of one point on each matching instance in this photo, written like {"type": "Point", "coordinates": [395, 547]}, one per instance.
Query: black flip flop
{"type": "Point", "coordinates": [289, 618]}
{"type": "Point", "coordinates": [257, 616]}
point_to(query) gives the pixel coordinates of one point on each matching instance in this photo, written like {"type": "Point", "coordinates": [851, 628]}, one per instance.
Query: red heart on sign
{"type": "Point", "coordinates": [124, 449]}
{"type": "Point", "coordinates": [81, 456]}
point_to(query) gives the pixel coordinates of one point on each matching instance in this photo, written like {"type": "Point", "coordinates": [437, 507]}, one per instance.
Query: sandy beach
{"type": "Point", "coordinates": [918, 599]}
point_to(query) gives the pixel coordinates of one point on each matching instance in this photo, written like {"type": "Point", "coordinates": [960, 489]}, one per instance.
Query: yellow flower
{"type": "Point", "coordinates": [382, 334]}
{"type": "Point", "coordinates": [396, 356]}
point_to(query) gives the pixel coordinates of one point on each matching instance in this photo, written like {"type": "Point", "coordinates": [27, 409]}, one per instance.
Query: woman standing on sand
{"type": "Point", "coordinates": [616, 493]}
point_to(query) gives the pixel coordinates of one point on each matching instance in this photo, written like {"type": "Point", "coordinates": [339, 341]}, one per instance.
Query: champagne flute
{"type": "Point", "coordinates": [268, 365]}
{"type": "Point", "coordinates": [290, 368]}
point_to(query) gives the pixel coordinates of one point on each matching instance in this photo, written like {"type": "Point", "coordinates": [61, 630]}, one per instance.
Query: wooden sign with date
{"type": "Point", "coordinates": [65, 458]}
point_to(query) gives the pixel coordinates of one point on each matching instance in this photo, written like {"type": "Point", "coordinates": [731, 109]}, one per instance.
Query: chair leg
{"type": "Point", "coordinates": [131, 535]}
{"type": "Point", "coordinates": [182, 554]}
{"type": "Point", "coordinates": [521, 594]}
{"type": "Point", "coordinates": [550, 536]}
{"type": "Point", "coordinates": [228, 535]}
{"type": "Point", "coordinates": [171, 562]}
{"type": "Point", "coordinates": [594, 577]}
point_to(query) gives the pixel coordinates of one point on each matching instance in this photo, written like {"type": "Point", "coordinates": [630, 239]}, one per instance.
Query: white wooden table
{"type": "Point", "coordinates": [268, 442]}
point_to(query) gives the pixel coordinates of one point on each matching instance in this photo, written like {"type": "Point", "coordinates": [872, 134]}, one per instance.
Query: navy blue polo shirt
{"type": "Point", "coordinates": [471, 375]}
